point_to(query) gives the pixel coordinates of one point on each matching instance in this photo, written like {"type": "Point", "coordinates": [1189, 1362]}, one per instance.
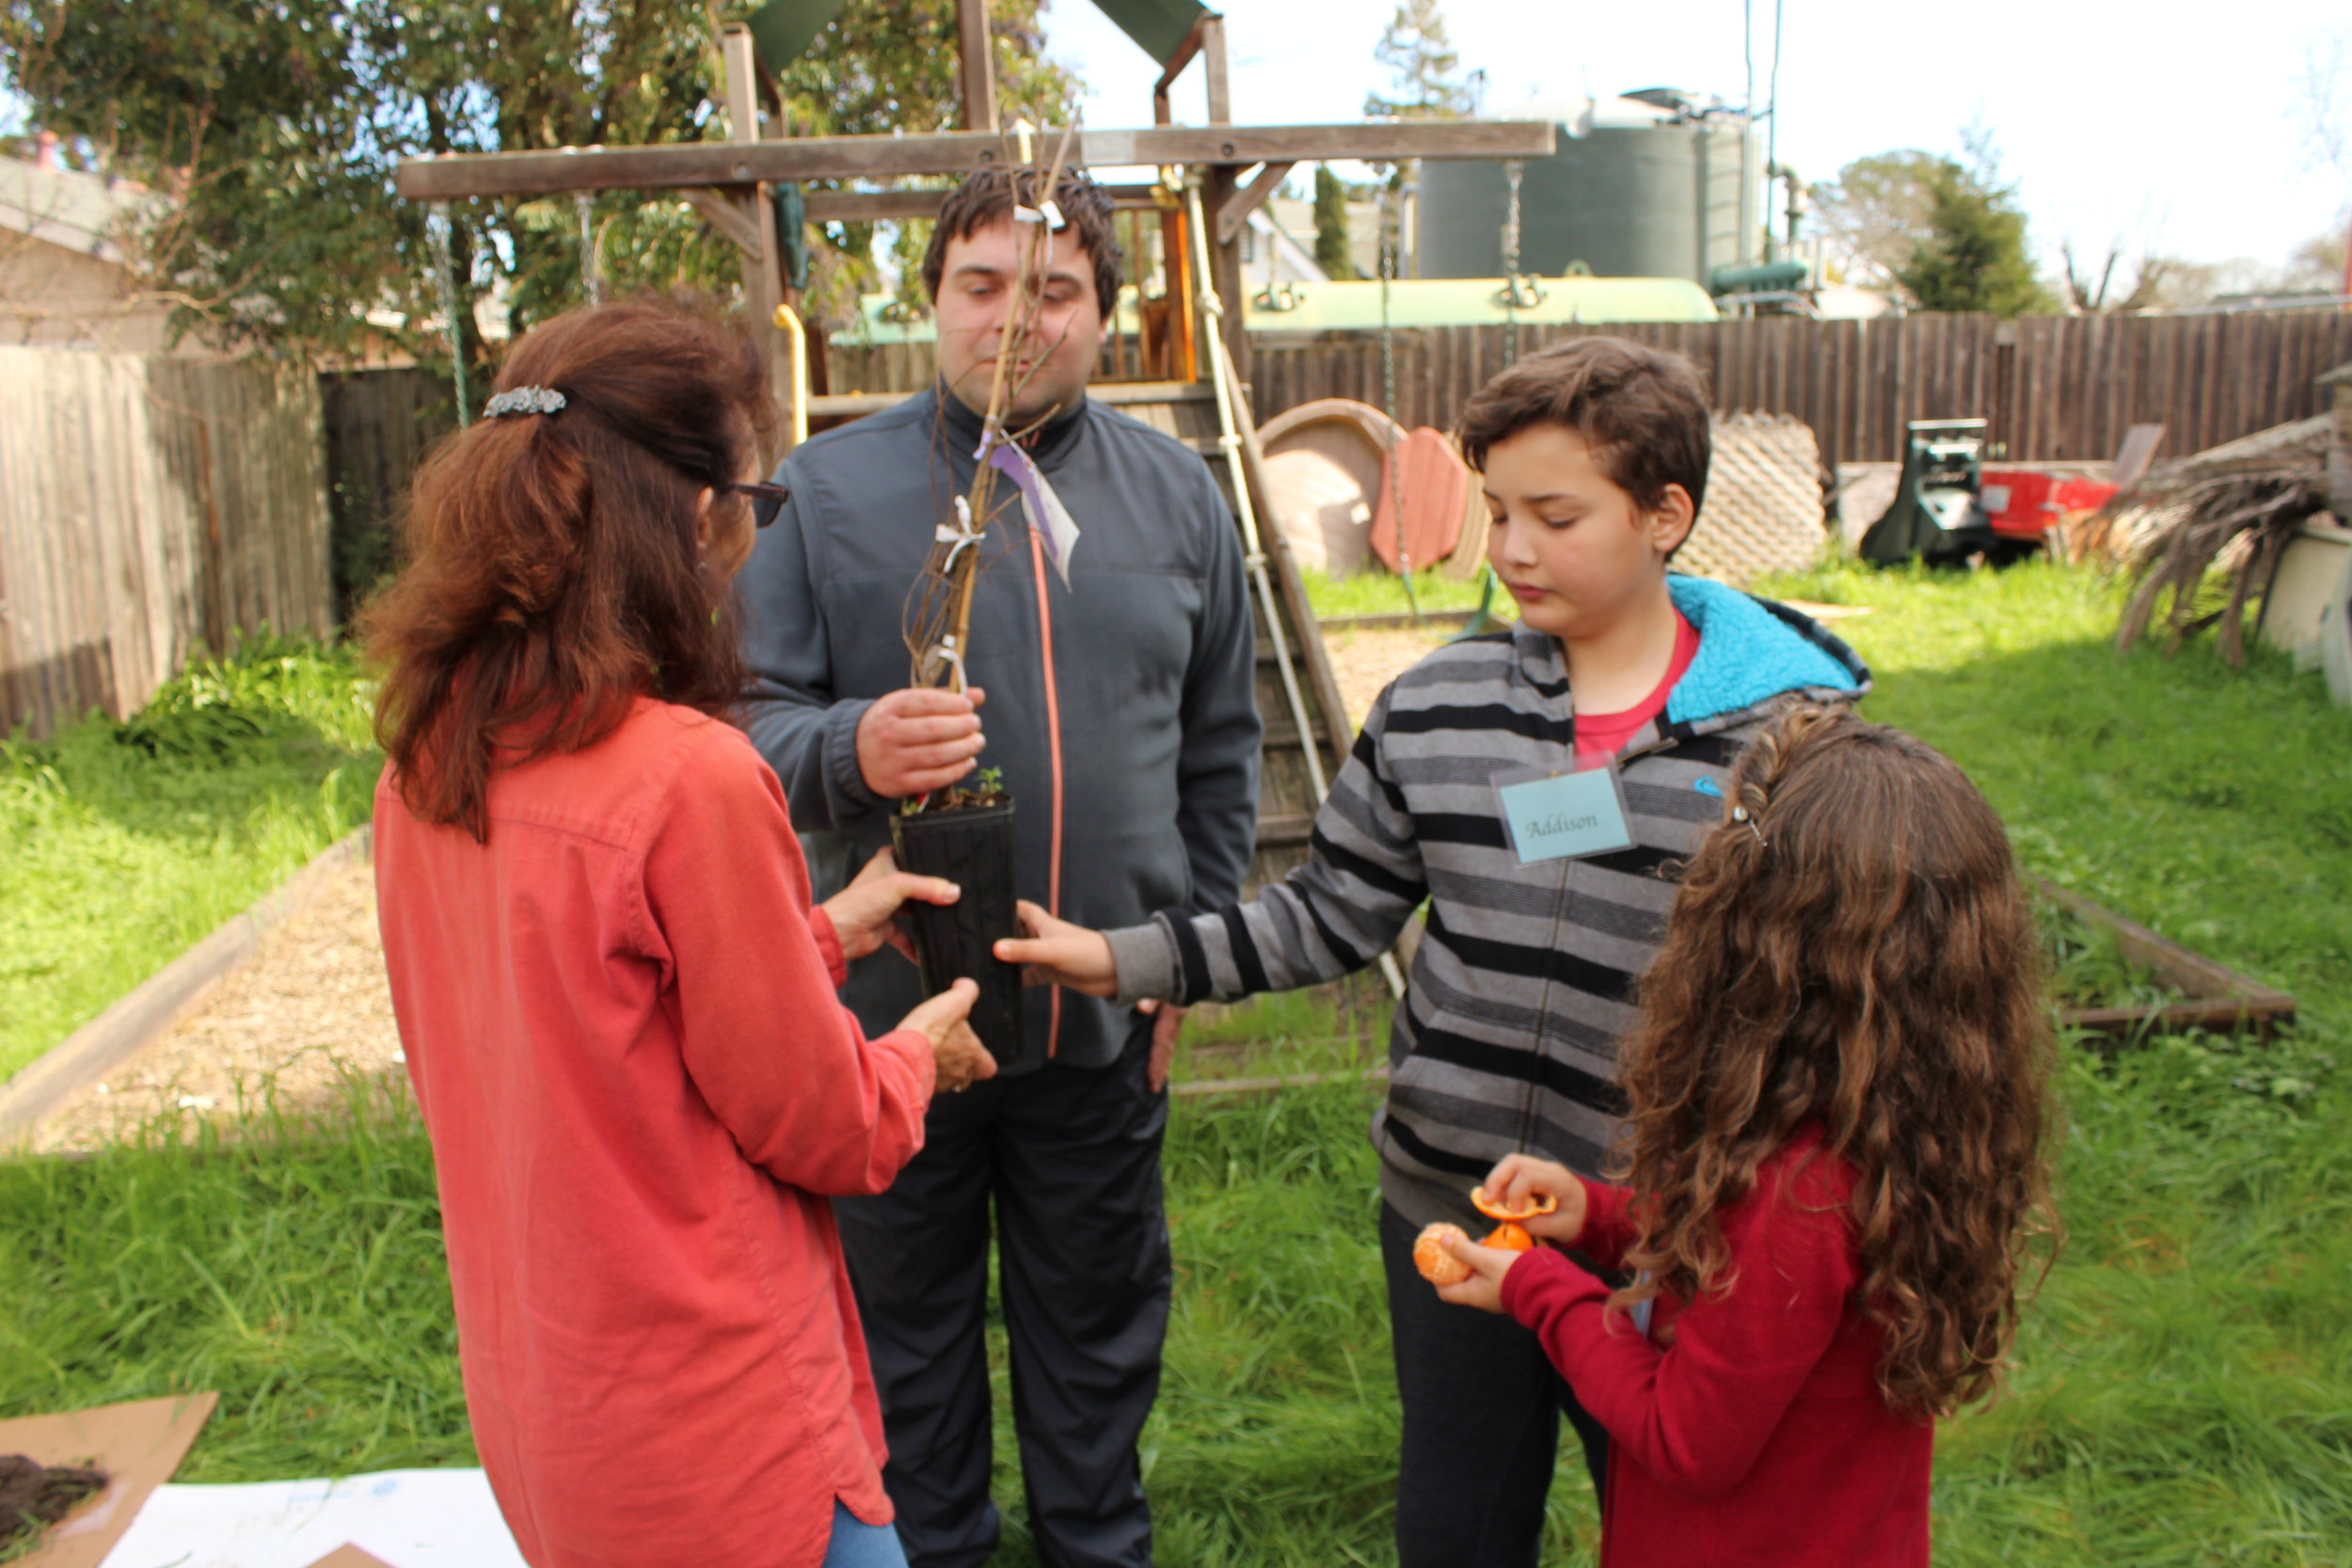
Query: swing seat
{"type": "Point", "coordinates": [1431, 486]}
{"type": "Point", "coordinates": [1323, 468]}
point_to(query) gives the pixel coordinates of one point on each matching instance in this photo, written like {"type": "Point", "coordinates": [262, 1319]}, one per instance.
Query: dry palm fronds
{"type": "Point", "coordinates": [2236, 506]}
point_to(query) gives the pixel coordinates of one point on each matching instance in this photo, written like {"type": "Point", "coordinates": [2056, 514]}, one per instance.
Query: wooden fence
{"type": "Point", "coordinates": [379, 424]}
{"type": "Point", "coordinates": [2053, 388]}
{"type": "Point", "coordinates": [149, 505]}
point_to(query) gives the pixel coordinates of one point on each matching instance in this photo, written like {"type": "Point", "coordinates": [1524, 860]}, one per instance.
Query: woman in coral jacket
{"type": "Point", "coordinates": [615, 997]}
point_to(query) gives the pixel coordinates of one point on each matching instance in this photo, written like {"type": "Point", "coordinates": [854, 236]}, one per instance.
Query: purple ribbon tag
{"type": "Point", "coordinates": [1051, 521]}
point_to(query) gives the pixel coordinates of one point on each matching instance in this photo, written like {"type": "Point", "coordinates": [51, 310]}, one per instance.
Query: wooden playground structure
{"type": "Point", "coordinates": [1186, 368]}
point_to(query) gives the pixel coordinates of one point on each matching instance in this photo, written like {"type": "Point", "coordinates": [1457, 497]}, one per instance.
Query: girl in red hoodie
{"type": "Point", "coordinates": [1834, 1164]}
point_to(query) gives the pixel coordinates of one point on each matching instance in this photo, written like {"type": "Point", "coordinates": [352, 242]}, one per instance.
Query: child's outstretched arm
{"type": "Point", "coordinates": [1329, 917]}
{"type": "Point", "coordinates": [1058, 953]}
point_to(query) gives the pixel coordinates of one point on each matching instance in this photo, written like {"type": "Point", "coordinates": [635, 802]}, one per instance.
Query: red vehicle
{"type": "Point", "coordinates": [2024, 502]}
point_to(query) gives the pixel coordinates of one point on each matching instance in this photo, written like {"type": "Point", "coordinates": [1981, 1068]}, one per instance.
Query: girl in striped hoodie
{"type": "Point", "coordinates": [1534, 790]}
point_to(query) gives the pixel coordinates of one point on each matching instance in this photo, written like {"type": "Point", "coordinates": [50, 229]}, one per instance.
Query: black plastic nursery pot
{"type": "Point", "coordinates": [973, 848]}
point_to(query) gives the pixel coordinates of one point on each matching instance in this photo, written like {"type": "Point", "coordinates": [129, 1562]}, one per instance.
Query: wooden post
{"type": "Point", "coordinates": [1212, 63]}
{"type": "Point", "coordinates": [979, 67]}
{"type": "Point", "coordinates": [1217, 187]}
{"type": "Point", "coordinates": [1225, 269]}
{"type": "Point", "coordinates": [763, 271]}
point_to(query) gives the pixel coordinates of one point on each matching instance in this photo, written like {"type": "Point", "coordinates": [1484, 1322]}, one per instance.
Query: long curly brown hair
{"type": "Point", "coordinates": [1851, 948]}
{"type": "Point", "coordinates": [554, 574]}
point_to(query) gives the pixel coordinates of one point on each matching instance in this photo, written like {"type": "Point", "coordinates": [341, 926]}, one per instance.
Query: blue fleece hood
{"type": "Point", "coordinates": [1752, 650]}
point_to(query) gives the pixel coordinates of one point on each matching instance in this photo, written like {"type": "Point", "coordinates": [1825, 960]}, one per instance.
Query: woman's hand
{"type": "Point", "coordinates": [861, 913]}
{"type": "Point", "coordinates": [957, 1053]}
{"type": "Point", "coordinates": [1488, 1265]}
{"type": "Point", "coordinates": [1059, 954]}
{"type": "Point", "coordinates": [1521, 1180]}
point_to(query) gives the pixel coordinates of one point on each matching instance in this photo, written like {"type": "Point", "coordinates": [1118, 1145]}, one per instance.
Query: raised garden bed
{"type": "Point", "coordinates": [2110, 977]}
{"type": "Point", "coordinates": [2165, 988]}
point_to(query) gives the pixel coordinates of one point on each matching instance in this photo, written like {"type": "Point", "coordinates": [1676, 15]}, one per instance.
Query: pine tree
{"type": "Point", "coordinates": [1423, 64]}
{"type": "Point", "coordinates": [1332, 251]}
{"type": "Point", "coordinates": [1973, 255]}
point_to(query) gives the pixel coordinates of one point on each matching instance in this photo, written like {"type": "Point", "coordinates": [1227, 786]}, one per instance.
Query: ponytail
{"type": "Point", "coordinates": [553, 573]}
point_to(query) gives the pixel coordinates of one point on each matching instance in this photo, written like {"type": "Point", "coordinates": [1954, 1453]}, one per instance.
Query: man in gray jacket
{"type": "Point", "coordinates": [1119, 707]}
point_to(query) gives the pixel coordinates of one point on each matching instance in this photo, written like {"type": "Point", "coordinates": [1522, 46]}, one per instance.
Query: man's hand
{"type": "Point", "coordinates": [1056, 953]}
{"type": "Point", "coordinates": [956, 1052]}
{"type": "Point", "coordinates": [1488, 1265]}
{"type": "Point", "coordinates": [861, 913]}
{"type": "Point", "coordinates": [1518, 1179]}
{"type": "Point", "coordinates": [1167, 1021]}
{"type": "Point", "coordinates": [915, 741]}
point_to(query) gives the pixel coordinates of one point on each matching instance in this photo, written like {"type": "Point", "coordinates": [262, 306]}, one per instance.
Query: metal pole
{"type": "Point", "coordinates": [1772, 130]}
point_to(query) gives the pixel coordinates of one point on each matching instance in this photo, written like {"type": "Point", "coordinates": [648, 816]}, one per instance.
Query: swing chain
{"type": "Point", "coordinates": [439, 226]}
{"type": "Point", "coordinates": [590, 278]}
{"type": "Point", "coordinates": [1389, 220]}
{"type": "Point", "coordinates": [1512, 167]}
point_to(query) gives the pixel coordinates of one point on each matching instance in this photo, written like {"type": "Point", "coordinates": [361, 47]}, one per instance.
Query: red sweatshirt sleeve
{"type": "Point", "coordinates": [1696, 1414]}
{"type": "Point", "coordinates": [781, 1062]}
{"type": "Point", "coordinates": [1608, 1223]}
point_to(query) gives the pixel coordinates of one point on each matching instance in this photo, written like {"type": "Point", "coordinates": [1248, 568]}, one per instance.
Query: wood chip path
{"type": "Point", "coordinates": [306, 1009]}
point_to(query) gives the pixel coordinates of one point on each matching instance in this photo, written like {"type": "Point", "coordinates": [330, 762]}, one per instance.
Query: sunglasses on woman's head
{"type": "Point", "coordinates": [766, 500]}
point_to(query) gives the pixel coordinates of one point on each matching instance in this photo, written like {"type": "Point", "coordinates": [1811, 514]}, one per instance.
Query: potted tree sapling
{"type": "Point", "coordinates": [966, 832]}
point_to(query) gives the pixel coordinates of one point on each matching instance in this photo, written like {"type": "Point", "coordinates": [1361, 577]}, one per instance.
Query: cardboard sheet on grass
{"type": "Point", "coordinates": [404, 1518]}
{"type": "Point", "coordinates": [138, 1445]}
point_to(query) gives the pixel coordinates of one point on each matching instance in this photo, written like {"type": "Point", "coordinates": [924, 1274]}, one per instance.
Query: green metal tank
{"type": "Point", "coordinates": [1649, 187]}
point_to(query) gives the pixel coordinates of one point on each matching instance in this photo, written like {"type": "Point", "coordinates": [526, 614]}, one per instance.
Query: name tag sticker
{"type": "Point", "coordinates": [1556, 817]}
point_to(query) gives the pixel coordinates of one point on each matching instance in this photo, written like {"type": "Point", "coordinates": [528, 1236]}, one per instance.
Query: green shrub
{"type": "Point", "coordinates": [123, 845]}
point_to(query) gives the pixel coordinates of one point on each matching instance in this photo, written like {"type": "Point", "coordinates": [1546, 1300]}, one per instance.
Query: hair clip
{"type": "Point", "coordinates": [524, 400]}
{"type": "Point", "coordinates": [1739, 814]}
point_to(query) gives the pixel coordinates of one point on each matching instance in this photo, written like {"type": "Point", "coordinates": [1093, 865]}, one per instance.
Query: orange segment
{"type": "Point", "coordinates": [1511, 1238]}
{"type": "Point", "coordinates": [1437, 1265]}
{"type": "Point", "coordinates": [1543, 1203]}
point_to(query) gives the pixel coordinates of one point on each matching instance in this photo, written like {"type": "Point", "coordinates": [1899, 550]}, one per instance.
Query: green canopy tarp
{"type": "Point", "coordinates": [785, 28]}
{"type": "Point", "coordinates": [1160, 26]}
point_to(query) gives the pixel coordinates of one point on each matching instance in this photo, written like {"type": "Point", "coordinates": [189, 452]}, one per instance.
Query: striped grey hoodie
{"type": "Point", "coordinates": [1523, 980]}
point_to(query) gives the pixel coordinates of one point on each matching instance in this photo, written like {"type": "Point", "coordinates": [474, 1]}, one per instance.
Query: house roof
{"type": "Point", "coordinates": [68, 208]}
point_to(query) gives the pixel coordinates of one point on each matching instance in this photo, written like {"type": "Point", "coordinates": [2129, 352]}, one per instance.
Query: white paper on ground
{"type": "Point", "coordinates": [409, 1518]}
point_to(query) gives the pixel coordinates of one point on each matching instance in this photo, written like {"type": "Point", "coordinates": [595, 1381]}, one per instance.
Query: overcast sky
{"type": "Point", "coordinates": [2171, 127]}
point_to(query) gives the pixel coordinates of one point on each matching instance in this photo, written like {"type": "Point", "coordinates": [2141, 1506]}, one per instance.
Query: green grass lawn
{"type": "Point", "coordinates": [2184, 1385]}
{"type": "Point", "coordinates": [123, 845]}
{"type": "Point", "coordinates": [1382, 593]}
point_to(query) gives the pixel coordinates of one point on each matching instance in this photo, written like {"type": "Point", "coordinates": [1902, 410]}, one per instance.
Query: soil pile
{"type": "Point", "coordinates": [34, 1495]}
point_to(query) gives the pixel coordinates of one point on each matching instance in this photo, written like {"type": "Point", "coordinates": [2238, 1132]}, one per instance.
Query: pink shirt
{"type": "Point", "coordinates": [620, 1020]}
{"type": "Point", "coordinates": [1602, 735]}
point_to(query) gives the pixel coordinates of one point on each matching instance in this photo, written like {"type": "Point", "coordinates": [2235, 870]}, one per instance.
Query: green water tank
{"type": "Point", "coordinates": [1637, 189]}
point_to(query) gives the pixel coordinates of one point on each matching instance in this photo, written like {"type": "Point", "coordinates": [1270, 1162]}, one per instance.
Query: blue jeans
{"type": "Point", "coordinates": [858, 1545]}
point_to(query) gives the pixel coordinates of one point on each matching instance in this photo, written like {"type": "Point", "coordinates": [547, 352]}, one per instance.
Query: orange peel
{"type": "Point", "coordinates": [1511, 1238]}
{"type": "Point", "coordinates": [1542, 1203]}
{"type": "Point", "coordinates": [1437, 1265]}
